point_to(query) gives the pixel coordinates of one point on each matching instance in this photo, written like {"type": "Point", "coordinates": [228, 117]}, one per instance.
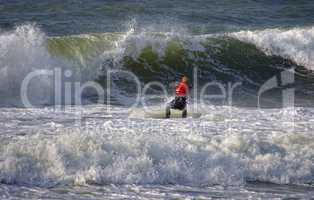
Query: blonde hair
{"type": "Point", "coordinates": [185, 77]}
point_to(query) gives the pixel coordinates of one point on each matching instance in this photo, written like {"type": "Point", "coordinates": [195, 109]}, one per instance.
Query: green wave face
{"type": "Point", "coordinates": [164, 58]}
{"type": "Point", "coordinates": [217, 57]}
{"type": "Point", "coordinates": [81, 48]}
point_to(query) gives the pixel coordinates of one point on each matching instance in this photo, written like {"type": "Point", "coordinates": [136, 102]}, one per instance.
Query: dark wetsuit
{"type": "Point", "coordinates": [180, 100]}
{"type": "Point", "coordinates": [178, 103]}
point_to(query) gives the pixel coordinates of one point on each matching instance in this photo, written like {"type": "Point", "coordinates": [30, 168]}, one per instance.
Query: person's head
{"type": "Point", "coordinates": [185, 79]}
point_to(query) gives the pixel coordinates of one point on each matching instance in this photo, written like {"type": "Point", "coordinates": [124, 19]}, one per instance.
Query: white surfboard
{"type": "Point", "coordinates": [160, 113]}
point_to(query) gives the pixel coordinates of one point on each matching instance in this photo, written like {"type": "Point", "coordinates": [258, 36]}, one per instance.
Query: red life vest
{"type": "Point", "coordinates": [182, 89]}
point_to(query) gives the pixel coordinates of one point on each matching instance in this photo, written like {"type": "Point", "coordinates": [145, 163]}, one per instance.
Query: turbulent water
{"type": "Point", "coordinates": [256, 142]}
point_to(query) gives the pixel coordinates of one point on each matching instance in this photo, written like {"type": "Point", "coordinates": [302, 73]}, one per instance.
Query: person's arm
{"type": "Point", "coordinates": [187, 89]}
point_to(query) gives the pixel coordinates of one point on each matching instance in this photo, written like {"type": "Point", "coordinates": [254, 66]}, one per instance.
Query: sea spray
{"type": "Point", "coordinates": [23, 51]}
{"type": "Point", "coordinates": [295, 44]}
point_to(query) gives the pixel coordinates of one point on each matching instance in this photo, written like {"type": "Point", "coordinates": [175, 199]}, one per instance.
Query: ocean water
{"type": "Point", "coordinates": [253, 143]}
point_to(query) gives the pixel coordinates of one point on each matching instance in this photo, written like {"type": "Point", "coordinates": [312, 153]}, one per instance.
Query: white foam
{"type": "Point", "coordinates": [117, 156]}
{"type": "Point", "coordinates": [296, 44]}
{"type": "Point", "coordinates": [23, 51]}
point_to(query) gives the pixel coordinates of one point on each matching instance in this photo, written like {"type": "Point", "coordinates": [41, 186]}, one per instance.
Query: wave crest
{"type": "Point", "coordinates": [296, 44]}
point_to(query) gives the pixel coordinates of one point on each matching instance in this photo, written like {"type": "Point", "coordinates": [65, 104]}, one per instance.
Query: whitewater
{"type": "Point", "coordinates": [253, 141]}
{"type": "Point", "coordinates": [88, 151]}
{"type": "Point", "coordinates": [88, 147]}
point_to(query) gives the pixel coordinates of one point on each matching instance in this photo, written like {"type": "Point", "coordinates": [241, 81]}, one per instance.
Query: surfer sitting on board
{"type": "Point", "coordinates": [179, 102]}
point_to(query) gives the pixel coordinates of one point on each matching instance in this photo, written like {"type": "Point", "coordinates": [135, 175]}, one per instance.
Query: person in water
{"type": "Point", "coordinates": [179, 102]}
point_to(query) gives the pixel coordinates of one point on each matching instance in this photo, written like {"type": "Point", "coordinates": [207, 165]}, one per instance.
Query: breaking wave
{"type": "Point", "coordinates": [295, 44]}
{"type": "Point", "coordinates": [251, 57]}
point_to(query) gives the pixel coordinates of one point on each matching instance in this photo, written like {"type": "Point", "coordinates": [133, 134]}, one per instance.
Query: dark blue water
{"type": "Point", "coordinates": [58, 17]}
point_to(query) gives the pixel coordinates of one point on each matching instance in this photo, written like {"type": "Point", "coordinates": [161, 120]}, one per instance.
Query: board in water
{"type": "Point", "coordinates": [161, 114]}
